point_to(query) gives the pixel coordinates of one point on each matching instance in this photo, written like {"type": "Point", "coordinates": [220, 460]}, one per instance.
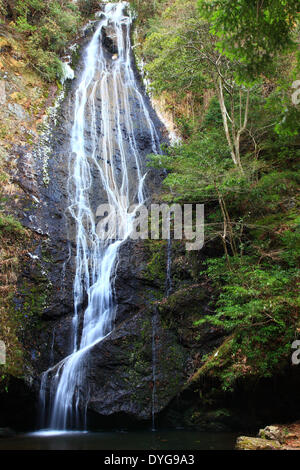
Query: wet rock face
{"type": "Point", "coordinates": [183, 309]}
{"type": "Point", "coordinates": [131, 283]}
{"type": "Point", "coordinates": [45, 175]}
{"type": "Point", "coordinates": [109, 41]}
{"type": "Point", "coordinates": [148, 349]}
{"type": "Point", "coordinates": [144, 363]}
{"type": "Point", "coordinates": [121, 374]}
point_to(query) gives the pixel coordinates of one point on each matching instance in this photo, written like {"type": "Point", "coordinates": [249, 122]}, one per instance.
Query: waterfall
{"type": "Point", "coordinates": [103, 142]}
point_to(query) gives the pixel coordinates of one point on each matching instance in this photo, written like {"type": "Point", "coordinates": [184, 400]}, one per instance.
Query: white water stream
{"type": "Point", "coordinates": [102, 141]}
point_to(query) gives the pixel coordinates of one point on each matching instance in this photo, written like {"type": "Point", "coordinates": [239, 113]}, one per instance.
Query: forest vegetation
{"type": "Point", "coordinates": [225, 72]}
{"type": "Point", "coordinates": [34, 36]}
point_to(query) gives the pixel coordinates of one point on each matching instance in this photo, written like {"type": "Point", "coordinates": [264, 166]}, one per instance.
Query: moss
{"type": "Point", "coordinates": [181, 311]}
{"type": "Point", "coordinates": [10, 225]}
{"type": "Point", "coordinates": [171, 357]}
{"type": "Point", "coordinates": [155, 271]}
{"type": "Point", "coordinates": [76, 54]}
{"type": "Point", "coordinates": [139, 367]}
{"type": "Point", "coordinates": [185, 265]}
{"type": "Point", "coordinates": [156, 266]}
{"type": "Point", "coordinates": [13, 239]}
{"type": "Point", "coordinates": [46, 254]}
{"type": "Point", "coordinates": [34, 301]}
{"type": "Point", "coordinates": [190, 298]}
{"type": "Point", "coordinates": [256, 443]}
{"type": "Point", "coordinates": [170, 363]}
{"type": "Point", "coordinates": [218, 365]}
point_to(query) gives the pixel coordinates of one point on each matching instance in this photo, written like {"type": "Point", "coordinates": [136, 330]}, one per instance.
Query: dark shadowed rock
{"type": "Point", "coordinates": [120, 377]}
{"type": "Point", "coordinates": [121, 369]}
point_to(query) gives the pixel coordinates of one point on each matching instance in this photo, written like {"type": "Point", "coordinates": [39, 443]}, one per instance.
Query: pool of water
{"type": "Point", "coordinates": [120, 440]}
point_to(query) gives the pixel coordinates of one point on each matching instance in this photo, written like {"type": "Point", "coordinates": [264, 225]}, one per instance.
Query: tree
{"type": "Point", "coordinates": [183, 57]}
{"type": "Point", "coordinates": [253, 32]}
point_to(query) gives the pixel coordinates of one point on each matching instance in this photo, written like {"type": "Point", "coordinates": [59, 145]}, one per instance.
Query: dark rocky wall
{"type": "Point", "coordinates": [150, 330]}
{"type": "Point", "coordinates": [120, 368]}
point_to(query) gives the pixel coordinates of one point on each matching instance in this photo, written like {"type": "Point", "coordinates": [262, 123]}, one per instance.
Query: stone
{"type": "Point", "coordinates": [256, 443]}
{"type": "Point", "coordinates": [2, 92]}
{"type": "Point", "coordinates": [271, 433]}
{"type": "Point", "coordinates": [121, 378]}
{"type": "Point", "coordinates": [119, 370]}
{"type": "Point", "coordinates": [291, 436]}
{"type": "Point", "coordinates": [18, 111]}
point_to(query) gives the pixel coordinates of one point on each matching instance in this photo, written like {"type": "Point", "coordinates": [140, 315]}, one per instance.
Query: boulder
{"type": "Point", "coordinates": [137, 356]}
{"type": "Point", "coordinates": [18, 111]}
{"type": "Point", "coordinates": [256, 443]}
{"type": "Point", "coordinates": [271, 433]}
{"type": "Point", "coordinates": [2, 92]}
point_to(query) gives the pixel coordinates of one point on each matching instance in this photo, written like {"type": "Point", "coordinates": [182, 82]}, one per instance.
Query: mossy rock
{"type": "Point", "coordinates": [182, 310]}
{"type": "Point", "coordinates": [184, 301]}
{"type": "Point", "coordinates": [156, 265]}
{"type": "Point", "coordinates": [256, 443]}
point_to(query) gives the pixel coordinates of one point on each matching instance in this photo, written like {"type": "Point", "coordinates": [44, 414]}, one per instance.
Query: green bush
{"type": "Point", "coordinates": [258, 302]}
{"type": "Point", "coordinates": [87, 7]}
{"type": "Point", "coordinates": [47, 27]}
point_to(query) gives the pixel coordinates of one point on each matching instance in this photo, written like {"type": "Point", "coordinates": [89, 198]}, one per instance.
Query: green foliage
{"type": "Point", "coordinates": [87, 7]}
{"type": "Point", "coordinates": [251, 216]}
{"type": "Point", "coordinates": [259, 303]}
{"type": "Point", "coordinates": [46, 62]}
{"type": "Point", "coordinates": [146, 10]}
{"type": "Point", "coordinates": [195, 168]}
{"type": "Point", "coordinates": [47, 27]}
{"type": "Point", "coordinates": [156, 267]}
{"type": "Point", "coordinates": [23, 26]}
{"type": "Point", "coordinates": [256, 298]}
{"type": "Point", "coordinates": [279, 103]}
{"type": "Point", "coordinates": [11, 226]}
{"type": "Point", "coordinates": [174, 62]}
{"type": "Point", "coordinates": [272, 188]}
{"type": "Point", "coordinates": [252, 32]}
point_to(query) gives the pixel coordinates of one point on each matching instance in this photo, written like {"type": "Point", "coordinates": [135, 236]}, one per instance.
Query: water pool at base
{"type": "Point", "coordinates": [121, 440]}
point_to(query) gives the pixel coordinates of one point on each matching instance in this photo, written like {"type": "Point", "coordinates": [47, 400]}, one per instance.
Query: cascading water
{"type": "Point", "coordinates": [104, 144]}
